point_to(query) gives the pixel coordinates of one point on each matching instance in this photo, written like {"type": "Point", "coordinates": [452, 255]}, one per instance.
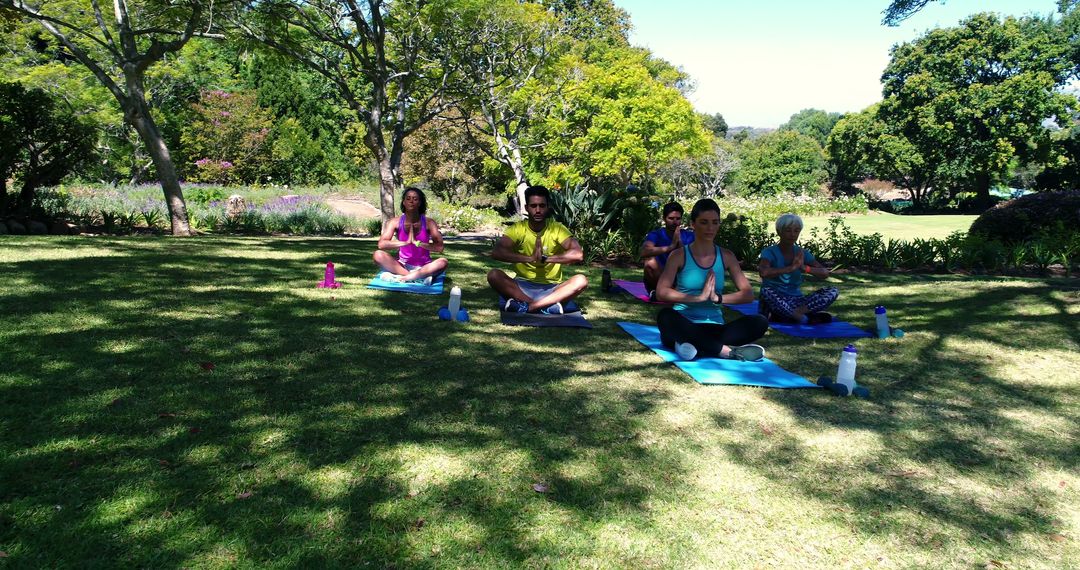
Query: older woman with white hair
{"type": "Point", "coordinates": [782, 267]}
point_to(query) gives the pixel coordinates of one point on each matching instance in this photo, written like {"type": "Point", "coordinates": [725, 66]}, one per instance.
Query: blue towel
{"type": "Point", "coordinates": [835, 329]}
{"type": "Point", "coordinates": [720, 370]}
{"type": "Point", "coordinates": [436, 287]}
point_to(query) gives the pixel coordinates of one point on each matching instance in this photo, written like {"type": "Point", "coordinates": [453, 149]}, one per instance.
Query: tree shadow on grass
{"type": "Point", "coordinates": [959, 439]}
{"type": "Point", "coordinates": [199, 401]}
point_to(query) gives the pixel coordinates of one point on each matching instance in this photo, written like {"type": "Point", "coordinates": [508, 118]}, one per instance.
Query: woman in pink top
{"type": "Point", "coordinates": [415, 237]}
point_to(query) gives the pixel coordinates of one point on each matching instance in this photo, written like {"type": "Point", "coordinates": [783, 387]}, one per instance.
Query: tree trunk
{"type": "Point", "coordinates": [387, 188]}
{"type": "Point", "coordinates": [137, 114]}
{"type": "Point", "coordinates": [3, 194]}
{"type": "Point", "coordinates": [25, 201]}
{"type": "Point", "coordinates": [511, 156]}
{"type": "Point", "coordinates": [982, 190]}
{"type": "Point", "coordinates": [166, 171]}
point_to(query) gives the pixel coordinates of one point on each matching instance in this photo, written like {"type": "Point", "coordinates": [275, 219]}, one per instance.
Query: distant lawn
{"type": "Point", "coordinates": [898, 227]}
{"type": "Point", "coordinates": [199, 403]}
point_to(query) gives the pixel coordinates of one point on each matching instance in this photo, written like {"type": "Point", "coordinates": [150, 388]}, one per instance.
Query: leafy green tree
{"type": "Point", "coordinates": [715, 124]}
{"type": "Point", "coordinates": [973, 97]}
{"type": "Point", "coordinates": [1062, 168]}
{"type": "Point", "coordinates": [618, 123]}
{"type": "Point", "coordinates": [310, 117]}
{"type": "Point", "coordinates": [780, 161]}
{"type": "Point", "coordinates": [863, 145]}
{"type": "Point", "coordinates": [39, 144]}
{"type": "Point", "coordinates": [900, 10]}
{"type": "Point", "coordinates": [118, 51]}
{"type": "Point", "coordinates": [387, 60]}
{"type": "Point", "coordinates": [507, 79]}
{"type": "Point", "coordinates": [814, 123]}
{"type": "Point", "coordinates": [596, 24]}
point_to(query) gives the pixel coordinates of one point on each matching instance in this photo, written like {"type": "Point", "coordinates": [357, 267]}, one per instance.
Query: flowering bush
{"type": "Point", "coordinates": [227, 139]}
{"type": "Point", "coordinates": [464, 218]}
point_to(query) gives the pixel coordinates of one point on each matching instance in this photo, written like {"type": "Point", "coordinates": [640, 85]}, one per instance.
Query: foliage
{"type": "Point", "coordinates": [771, 207]}
{"type": "Point", "coordinates": [814, 123]}
{"type": "Point", "coordinates": [781, 161]}
{"type": "Point", "coordinates": [594, 217]}
{"type": "Point", "coordinates": [227, 139]}
{"type": "Point", "coordinates": [1061, 170]}
{"type": "Point", "coordinates": [970, 98]}
{"type": "Point", "coordinates": [865, 145]}
{"type": "Point", "coordinates": [900, 10]}
{"type": "Point", "coordinates": [464, 218]}
{"type": "Point", "coordinates": [715, 124]}
{"type": "Point", "coordinates": [1022, 219]}
{"type": "Point", "coordinates": [507, 81]}
{"type": "Point", "coordinates": [440, 157]}
{"type": "Point", "coordinates": [704, 176]}
{"type": "Point", "coordinates": [39, 144]}
{"type": "Point", "coordinates": [307, 145]}
{"type": "Point", "coordinates": [128, 209]}
{"type": "Point", "coordinates": [618, 123]}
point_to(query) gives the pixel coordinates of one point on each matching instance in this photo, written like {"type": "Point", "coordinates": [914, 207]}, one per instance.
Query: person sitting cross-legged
{"type": "Point", "coordinates": [538, 247]}
{"type": "Point", "coordinates": [415, 236]}
{"type": "Point", "coordinates": [693, 279]}
{"type": "Point", "coordinates": [660, 242]}
{"type": "Point", "coordinates": [781, 268]}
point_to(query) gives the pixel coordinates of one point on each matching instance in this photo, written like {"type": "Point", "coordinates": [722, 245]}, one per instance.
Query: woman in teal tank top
{"type": "Point", "coordinates": [693, 279]}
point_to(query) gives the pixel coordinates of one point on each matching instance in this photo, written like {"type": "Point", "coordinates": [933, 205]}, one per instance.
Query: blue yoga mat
{"type": "Point", "coordinates": [720, 370]}
{"type": "Point", "coordinates": [835, 329]}
{"type": "Point", "coordinates": [436, 287]}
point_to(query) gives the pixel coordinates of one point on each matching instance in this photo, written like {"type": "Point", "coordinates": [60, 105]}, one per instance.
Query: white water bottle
{"type": "Point", "coordinates": [845, 373]}
{"type": "Point", "coordinates": [455, 302]}
{"type": "Point", "coordinates": [882, 321]}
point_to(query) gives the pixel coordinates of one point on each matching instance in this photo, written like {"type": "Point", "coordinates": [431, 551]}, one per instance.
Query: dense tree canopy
{"type": "Point", "coordinates": [814, 123]}
{"type": "Point", "coordinates": [619, 122]}
{"type": "Point", "coordinates": [973, 97]}
{"type": "Point", "coordinates": [39, 144]}
{"type": "Point", "coordinates": [780, 161]}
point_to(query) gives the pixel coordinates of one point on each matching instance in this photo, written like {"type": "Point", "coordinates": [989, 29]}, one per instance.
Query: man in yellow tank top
{"type": "Point", "coordinates": [538, 247]}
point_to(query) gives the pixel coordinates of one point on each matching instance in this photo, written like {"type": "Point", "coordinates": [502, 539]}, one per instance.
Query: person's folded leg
{"type": "Point", "coordinates": [821, 299]}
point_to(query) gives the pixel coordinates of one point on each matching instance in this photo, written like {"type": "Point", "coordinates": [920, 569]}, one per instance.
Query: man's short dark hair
{"type": "Point", "coordinates": [672, 207]}
{"type": "Point", "coordinates": [541, 191]}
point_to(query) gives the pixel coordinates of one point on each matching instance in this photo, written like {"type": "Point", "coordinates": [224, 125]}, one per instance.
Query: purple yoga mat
{"type": "Point", "coordinates": [637, 289]}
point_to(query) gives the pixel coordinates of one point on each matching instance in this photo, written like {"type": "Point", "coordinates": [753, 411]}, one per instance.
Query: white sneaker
{"type": "Point", "coordinates": [387, 276]}
{"type": "Point", "coordinates": [427, 280]}
{"type": "Point", "coordinates": [685, 350]}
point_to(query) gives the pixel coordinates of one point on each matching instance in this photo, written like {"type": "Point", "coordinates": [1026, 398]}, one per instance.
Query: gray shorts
{"type": "Point", "coordinates": [535, 290]}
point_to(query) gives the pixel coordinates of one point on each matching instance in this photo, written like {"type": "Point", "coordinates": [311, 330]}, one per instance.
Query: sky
{"type": "Point", "coordinates": [757, 62]}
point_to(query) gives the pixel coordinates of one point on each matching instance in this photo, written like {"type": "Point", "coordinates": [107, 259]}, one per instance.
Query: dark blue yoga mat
{"type": "Point", "coordinates": [766, 373]}
{"type": "Point", "coordinates": [436, 287]}
{"type": "Point", "coordinates": [835, 329]}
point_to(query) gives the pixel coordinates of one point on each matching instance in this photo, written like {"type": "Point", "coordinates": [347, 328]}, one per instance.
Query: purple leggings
{"type": "Point", "coordinates": [777, 303]}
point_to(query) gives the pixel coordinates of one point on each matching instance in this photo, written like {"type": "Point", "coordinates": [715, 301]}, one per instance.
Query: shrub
{"type": "Point", "coordinates": [1022, 219]}
{"type": "Point", "coordinates": [461, 218]}
{"type": "Point", "coordinates": [744, 236]}
{"type": "Point", "coordinates": [771, 207]}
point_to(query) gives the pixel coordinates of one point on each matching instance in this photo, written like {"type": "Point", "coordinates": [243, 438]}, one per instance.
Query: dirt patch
{"type": "Point", "coordinates": [355, 207]}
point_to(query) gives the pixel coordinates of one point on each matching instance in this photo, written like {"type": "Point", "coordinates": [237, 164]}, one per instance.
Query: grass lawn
{"type": "Point", "coordinates": [897, 227]}
{"type": "Point", "coordinates": [199, 403]}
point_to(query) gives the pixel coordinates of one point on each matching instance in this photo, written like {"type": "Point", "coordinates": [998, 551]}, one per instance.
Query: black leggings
{"type": "Point", "coordinates": [708, 338]}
